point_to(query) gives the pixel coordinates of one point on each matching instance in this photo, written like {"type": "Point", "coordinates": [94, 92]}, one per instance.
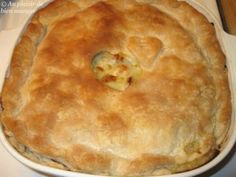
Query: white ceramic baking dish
{"type": "Point", "coordinates": [228, 43]}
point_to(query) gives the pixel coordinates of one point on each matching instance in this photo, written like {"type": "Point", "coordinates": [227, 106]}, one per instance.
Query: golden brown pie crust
{"type": "Point", "coordinates": [172, 119]}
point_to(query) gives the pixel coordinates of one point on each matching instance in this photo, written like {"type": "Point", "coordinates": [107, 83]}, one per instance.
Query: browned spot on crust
{"type": "Point", "coordinates": [130, 80]}
{"type": "Point", "coordinates": [103, 27]}
{"type": "Point", "coordinates": [118, 57]}
{"type": "Point", "coordinates": [111, 122]}
{"type": "Point", "coordinates": [123, 68]}
{"type": "Point", "coordinates": [109, 78]}
{"type": "Point", "coordinates": [100, 68]}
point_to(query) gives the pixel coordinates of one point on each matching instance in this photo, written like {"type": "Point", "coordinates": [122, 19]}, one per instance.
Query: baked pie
{"type": "Point", "coordinates": [121, 88]}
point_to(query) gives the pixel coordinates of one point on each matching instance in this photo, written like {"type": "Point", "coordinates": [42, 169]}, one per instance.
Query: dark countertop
{"type": "Point", "coordinates": [229, 7]}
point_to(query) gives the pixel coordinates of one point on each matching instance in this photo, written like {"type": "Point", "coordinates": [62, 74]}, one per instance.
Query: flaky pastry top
{"type": "Point", "coordinates": [173, 117]}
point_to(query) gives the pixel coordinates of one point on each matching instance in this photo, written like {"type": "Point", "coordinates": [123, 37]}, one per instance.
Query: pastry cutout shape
{"type": "Point", "coordinates": [145, 49]}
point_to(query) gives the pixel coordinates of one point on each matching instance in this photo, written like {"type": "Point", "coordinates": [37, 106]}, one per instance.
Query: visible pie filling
{"type": "Point", "coordinates": [116, 71]}
{"type": "Point", "coordinates": [120, 88]}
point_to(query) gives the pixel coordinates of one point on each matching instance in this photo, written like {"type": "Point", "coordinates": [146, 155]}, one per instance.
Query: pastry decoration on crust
{"type": "Point", "coordinates": [119, 88]}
